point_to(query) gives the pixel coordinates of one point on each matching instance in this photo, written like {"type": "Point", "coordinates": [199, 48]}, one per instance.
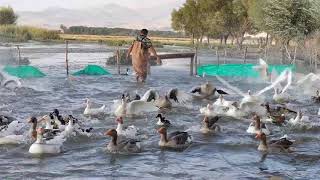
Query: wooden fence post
{"type": "Point", "coordinates": [225, 56]}
{"type": "Point", "coordinates": [191, 66]}
{"type": "Point", "coordinates": [245, 54]}
{"type": "Point", "coordinates": [67, 60]}
{"type": "Point", "coordinates": [118, 60]}
{"type": "Point", "coordinates": [196, 61]}
{"type": "Point", "coordinates": [217, 55]}
{"type": "Point", "coordinates": [19, 55]}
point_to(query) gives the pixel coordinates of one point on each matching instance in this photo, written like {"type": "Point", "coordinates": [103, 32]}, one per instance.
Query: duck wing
{"type": "Point", "coordinates": [179, 96]}
{"type": "Point", "coordinates": [139, 106]}
{"type": "Point", "coordinates": [213, 120]}
{"type": "Point", "coordinates": [196, 90]}
{"type": "Point", "coordinates": [150, 95]}
{"type": "Point", "coordinates": [283, 142]}
{"type": "Point", "coordinates": [179, 137]}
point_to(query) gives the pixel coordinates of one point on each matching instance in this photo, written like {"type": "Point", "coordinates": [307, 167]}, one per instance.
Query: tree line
{"type": "Point", "coordinates": [115, 31]}
{"type": "Point", "coordinates": [284, 20]}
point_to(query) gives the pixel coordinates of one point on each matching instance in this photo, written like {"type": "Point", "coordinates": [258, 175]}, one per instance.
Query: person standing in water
{"type": "Point", "coordinates": [141, 49]}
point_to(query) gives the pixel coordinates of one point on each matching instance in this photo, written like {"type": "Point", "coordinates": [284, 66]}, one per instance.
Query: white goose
{"type": "Point", "coordinates": [6, 80]}
{"type": "Point", "coordinates": [299, 119]}
{"type": "Point", "coordinates": [93, 111]}
{"type": "Point", "coordinates": [222, 102]}
{"type": "Point", "coordinates": [41, 146]}
{"type": "Point", "coordinates": [9, 136]}
{"type": "Point", "coordinates": [130, 132]}
{"type": "Point", "coordinates": [135, 107]}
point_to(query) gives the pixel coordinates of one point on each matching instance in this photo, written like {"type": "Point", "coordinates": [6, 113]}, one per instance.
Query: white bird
{"type": "Point", "coordinates": [6, 80]}
{"type": "Point", "coordinates": [135, 107]}
{"type": "Point", "coordinates": [222, 102]}
{"type": "Point", "coordinates": [150, 96]}
{"type": "Point", "coordinates": [299, 119]}
{"type": "Point", "coordinates": [93, 111]}
{"type": "Point", "coordinates": [129, 132]}
{"type": "Point", "coordinates": [9, 134]}
{"type": "Point", "coordinates": [41, 146]}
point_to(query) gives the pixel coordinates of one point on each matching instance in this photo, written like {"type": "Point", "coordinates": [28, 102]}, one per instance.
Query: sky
{"type": "Point", "coordinates": [39, 5]}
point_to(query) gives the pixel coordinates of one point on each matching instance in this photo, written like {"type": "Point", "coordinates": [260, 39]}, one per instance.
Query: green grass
{"type": "Point", "coordinates": [25, 33]}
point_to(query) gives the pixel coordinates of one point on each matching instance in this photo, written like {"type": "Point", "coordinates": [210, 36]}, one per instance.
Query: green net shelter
{"type": "Point", "coordinates": [92, 70]}
{"type": "Point", "coordinates": [238, 70]}
{"type": "Point", "coordinates": [24, 71]}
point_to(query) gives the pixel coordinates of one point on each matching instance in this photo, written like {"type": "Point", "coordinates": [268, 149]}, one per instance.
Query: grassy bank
{"type": "Point", "coordinates": [25, 33]}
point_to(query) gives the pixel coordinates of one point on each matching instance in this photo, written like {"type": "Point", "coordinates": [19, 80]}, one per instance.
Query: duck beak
{"type": "Point", "coordinates": [108, 133]}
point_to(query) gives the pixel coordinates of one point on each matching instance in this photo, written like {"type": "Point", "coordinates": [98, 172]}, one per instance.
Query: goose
{"type": "Point", "coordinates": [279, 145]}
{"type": "Point", "coordinates": [209, 125]}
{"type": "Point", "coordinates": [278, 120]}
{"type": "Point", "coordinates": [209, 110]}
{"type": "Point", "coordinates": [298, 119]}
{"type": "Point", "coordinates": [175, 139]}
{"type": "Point", "coordinates": [162, 121]}
{"type": "Point", "coordinates": [256, 126]}
{"type": "Point", "coordinates": [316, 98]}
{"type": "Point", "coordinates": [12, 139]}
{"type": "Point", "coordinates": [42, 146]}
{"type": "Point", "coordinates": [206, 91]}
{"type": "Point", "coordinates": [222, 102]}
{"type": "Point", "coordinates": [163, 103]}
{"type": "Point", "coordinates": [6, 80]}
{"type": "Point", "coordinates": [150, 96]}
{"type": "Point", "coordinates": [122, 144]}
{"type": "Point", "coordinates": [130, 132]}
{"type": "Point", "coordinates": [234, 111]}
{"type": "Point", "coordinates": [93, 111]}
{"type": "Point", "coordinates": [132, 108]}
{"type": "Point", "coordinates": [179, 96]}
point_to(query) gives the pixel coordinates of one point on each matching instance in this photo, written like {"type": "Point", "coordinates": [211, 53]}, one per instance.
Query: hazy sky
{"type": "Point", "coordinates": [38, 5]}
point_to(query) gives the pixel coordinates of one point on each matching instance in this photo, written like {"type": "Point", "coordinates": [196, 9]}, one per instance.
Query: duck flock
{"type": "Point", "coordinates": [47, 134]}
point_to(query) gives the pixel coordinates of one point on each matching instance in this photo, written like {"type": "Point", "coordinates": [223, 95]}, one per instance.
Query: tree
{"type": "Point", "coordinates": [7, 16]}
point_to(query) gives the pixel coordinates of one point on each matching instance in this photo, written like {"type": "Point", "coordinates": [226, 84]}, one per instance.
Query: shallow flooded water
{"type": "Point", "coordinates": [231, 154]}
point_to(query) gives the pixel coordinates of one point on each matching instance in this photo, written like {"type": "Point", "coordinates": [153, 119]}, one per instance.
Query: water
{"type": "Point", "coordinates": [231, 154]}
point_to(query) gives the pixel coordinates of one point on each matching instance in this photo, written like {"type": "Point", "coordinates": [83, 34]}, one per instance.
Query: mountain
{"type": "Point", "coordinates": [109, 15]}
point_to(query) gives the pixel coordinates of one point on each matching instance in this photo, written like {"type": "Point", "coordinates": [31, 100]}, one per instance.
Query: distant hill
{"type": "Point", "coordinates": [109, 15]}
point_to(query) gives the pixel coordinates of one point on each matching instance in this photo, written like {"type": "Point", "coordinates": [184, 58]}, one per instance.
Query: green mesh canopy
{"type": "Point", "coordinates": [24, 71]}
{"type": "Point", "coordinates": [238, 70]}
{"type": "Point", "coordinates": [92, 70]}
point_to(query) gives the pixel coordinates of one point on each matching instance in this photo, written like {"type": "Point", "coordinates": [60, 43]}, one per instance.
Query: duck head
{"type": "Point", "coordinates": [113, 134]}
{"type": "Point", "coordinates": [159, 116]}
{"type": "Point", "coordinates": [162, 131]}
{"type": "Point", "coordinates": [261, 136]}
{"type": "Point", "coordinates": [56, 112]}
{"type": "Point", "coordinates": [119, 120]}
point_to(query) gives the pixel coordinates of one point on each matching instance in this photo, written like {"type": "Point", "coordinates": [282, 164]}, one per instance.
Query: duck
{"type": "Point", "coordinates": [42, 146]}
{"type": "Point", "coordinates": [150, 96]}
{"type": "Point", "coordinates": [93, 111]}
{"type": "Point", "coordinates": [5, 120]}
{"type": "Point", "coordinates": [73, 128]}
{"type": "Point", "coordinates": [209, 125]}
{"type": "Point", "coordinates": [279, 145]}
{"type": "Point", "coordinates": [162, 121]}
{"type": "Point", "coordinates": [59, 120]}
{"type": "Point", "coordinates": [6, 80]}
{"type": "Point", "coordinates": [179, 96]}
{"type": "Point", "coordinates": [126, 73]}
{"type": "Point", "coordinates": [206, 90]}
{"type": "Point", "coordinates": [163, 103]}
{"type": "Point", "coordinates": [278, 120]}
{"type": "Point", "coordinates": [222, 102]}
{"type": "Point", "coordinates": [298, 119]}
{"type": "Point", "coordinates": [130, 132]}
{"type": "Point", "coordinates": [234, 111]}
{"type": "Point", "coordinates": [12, 139]}
{"type": "Point", "coordinates": [316, 98]}
{"type": "Point", "coordinates": [256, 126]}
{"type": "Point", "coordinates": [175, 139]}
{"type": "Point", "coordinates": [122, 144]}
{"type": "Point", "coordinates": [132, 108]}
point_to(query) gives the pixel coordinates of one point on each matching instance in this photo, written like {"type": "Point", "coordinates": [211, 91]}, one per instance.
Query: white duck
{"type": "Point", "coordinates": [6, 80]}
{"type": "Point", "coordinates": [130, 132]}
{"type": "Point", "coordinates": [298, 119]}
{"type": "Point", "coordinates": [93, 111]}
{"type": "Point", "coordinates": [9, 134]}
{"type": "Point", "coordinates": [234, 111]}
{"type": "Point", "coordinates": [135, 107]}
{"type": "Point", "coordinates": [257, 126]}
{"type": "Point", "coordinates": [222, 102]}
{"type": "Point", "coordinates": [41, 146]}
